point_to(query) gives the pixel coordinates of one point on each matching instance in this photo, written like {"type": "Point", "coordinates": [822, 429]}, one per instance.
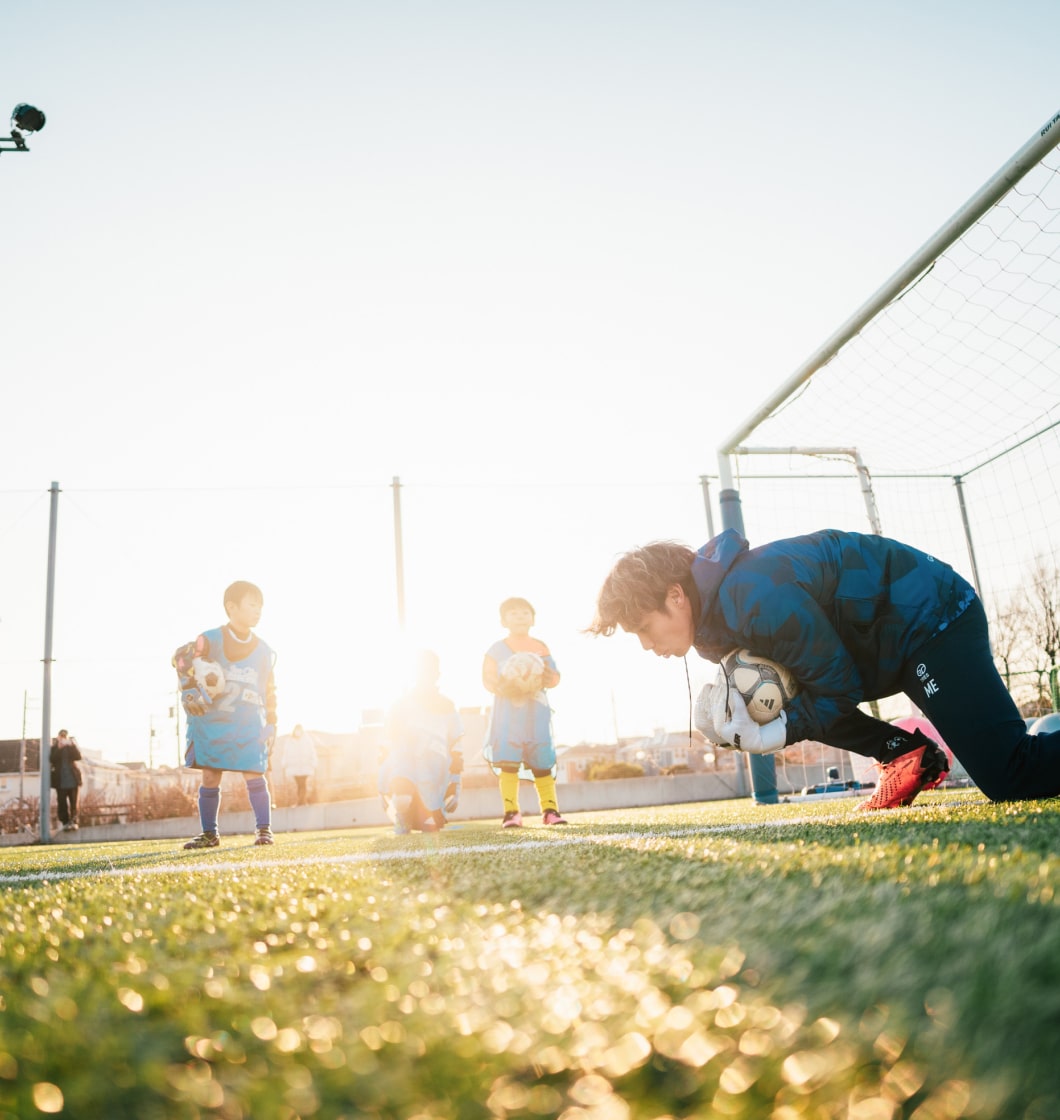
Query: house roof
{"type": "Point", "coordinates": [9, 755]}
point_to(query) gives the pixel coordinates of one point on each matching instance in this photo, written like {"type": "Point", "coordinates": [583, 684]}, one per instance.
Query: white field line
{"type": "Point", "coordinates": [193, 866]}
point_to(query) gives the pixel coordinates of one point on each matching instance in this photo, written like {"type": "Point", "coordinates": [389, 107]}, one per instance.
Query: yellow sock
{"type": "Point", "coordinates": [510, 791]}
{"type": "Point", "coordinates": [546, 792]}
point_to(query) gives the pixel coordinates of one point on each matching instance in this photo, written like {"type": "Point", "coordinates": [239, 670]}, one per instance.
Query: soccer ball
{"type": "Point", "coordinates": [209, 676]}
{"type": "Point", "coordinates": [765, 686]}
{"type": "Point", "coordinates": [526, 671]}
{"type": "Point", "coordinates": [1045, 724]}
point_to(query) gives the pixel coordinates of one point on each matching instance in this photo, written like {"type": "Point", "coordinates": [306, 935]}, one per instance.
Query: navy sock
{"type": "Point", "coordinates": [260, 802]}
{"type": "Point", "coordinates": [209, 805]}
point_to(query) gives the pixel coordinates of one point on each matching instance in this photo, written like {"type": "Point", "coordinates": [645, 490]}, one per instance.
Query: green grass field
{"type": "Point", "coordinates": [704, 960]}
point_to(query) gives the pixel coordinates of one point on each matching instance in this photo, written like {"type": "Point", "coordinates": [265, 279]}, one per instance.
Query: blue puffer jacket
{"type": "Point", "coordinates": [844, 612]}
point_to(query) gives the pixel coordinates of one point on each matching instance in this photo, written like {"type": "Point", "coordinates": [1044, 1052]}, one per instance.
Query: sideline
{"type": "Point", "coordinates": [193, 865]}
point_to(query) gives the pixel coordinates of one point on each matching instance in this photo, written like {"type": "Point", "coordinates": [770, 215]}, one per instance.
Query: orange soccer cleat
{"type": "Point", "coordinates": [901, 780]}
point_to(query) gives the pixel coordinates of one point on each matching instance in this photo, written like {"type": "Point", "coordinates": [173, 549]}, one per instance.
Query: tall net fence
{"type": "Point", "coordinates": [951, 397]}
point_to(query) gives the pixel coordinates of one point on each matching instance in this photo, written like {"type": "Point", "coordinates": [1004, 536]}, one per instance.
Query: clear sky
{"type": "Point", "coordinates": [536, 259]}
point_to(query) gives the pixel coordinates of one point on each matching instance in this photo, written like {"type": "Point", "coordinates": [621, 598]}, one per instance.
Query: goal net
{"type": "Point", "coordinates": [933, 416]}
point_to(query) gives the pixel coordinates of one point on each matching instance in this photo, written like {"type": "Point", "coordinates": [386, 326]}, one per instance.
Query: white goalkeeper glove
{"type": "Point", "coordinates": [703, 716]}
{"type": "Point", "coordinates": [733, 723]}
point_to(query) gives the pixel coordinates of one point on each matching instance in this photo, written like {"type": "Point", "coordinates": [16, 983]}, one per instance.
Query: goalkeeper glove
{"type": "Point", "coordinates": [703, 716]}
{"type": "Point", "coordinates": [734, 724]}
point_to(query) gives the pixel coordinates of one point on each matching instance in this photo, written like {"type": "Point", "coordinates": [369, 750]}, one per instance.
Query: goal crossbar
{"type": "Point", "coordinates": [1039, 145]}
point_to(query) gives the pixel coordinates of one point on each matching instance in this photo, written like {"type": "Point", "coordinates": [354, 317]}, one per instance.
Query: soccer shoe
{"type": "Point", "coordinates": [204, 840]}
{"type": "Point", "coordinates": [452, 794]}
{"type": "Point", "coordinates": [512, 819]}
{"type": "Point", "coordinates": [901, 780]}
{"type": "Point", "coordinates": [403, 815]}
{"type": "Point", "coordinates": [551, 816]}
{"type": "Point", "coordinates": [264, 836]}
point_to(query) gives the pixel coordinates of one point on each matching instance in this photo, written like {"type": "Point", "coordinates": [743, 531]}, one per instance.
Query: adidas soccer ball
{"type": "Point", "coordinates": [524, 670]}
{"type": "Point", "coordinates": [209, 676]}
{"type": "Point", "coordinates": [765, 686]}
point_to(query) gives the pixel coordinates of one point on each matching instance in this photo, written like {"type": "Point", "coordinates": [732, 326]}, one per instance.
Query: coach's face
{"type": "Point", "coordinates": [668, 632]}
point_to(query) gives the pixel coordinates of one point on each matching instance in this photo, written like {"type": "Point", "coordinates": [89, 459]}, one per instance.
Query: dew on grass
{"type": "Point", "coordinates": [685, 926]}
{"type": "Point", "coordinates": [259, 977]}
{"type": "Point", "coordinates": [903, 1080]}
{"type": "Point", "coordinates": [47, 1097]}
{"type": "Point", "coordinates": [805, 1068]}
{"type": "Point", "coordinates": [287, 1040]}
{"type": "Point", "coordinates": [131, 1000]}
{"type": "Point", "coordinates": [263, 1028]}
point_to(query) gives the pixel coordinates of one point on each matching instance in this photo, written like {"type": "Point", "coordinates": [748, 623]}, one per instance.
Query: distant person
{"type": "Point", "coordinates": [520, 731]}
{"type": "Point", "coordinates": [300, 761]}
{"type": "Point", "coordinates": [419, 778]}
{"type": "Point", "coordinates": [854, 618]}
{"type": "Point", "coordinates": [66, 777]}
{"type": "Point", "coordinates": [229, 695]}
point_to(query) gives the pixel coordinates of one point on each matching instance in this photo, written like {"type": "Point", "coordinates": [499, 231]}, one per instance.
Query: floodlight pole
{"type": "Point", "coordinates": [399, 553]}
{"type": "Point", "coordinates": [22, 753]}
{"type": "Point", "coordinates": [46, 701]}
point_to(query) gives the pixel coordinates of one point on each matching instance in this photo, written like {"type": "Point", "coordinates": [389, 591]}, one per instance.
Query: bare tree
{"type": "Point", "coordinates": [1044, 602]}
{"type": "Point", "coordinates": [1009, 623]}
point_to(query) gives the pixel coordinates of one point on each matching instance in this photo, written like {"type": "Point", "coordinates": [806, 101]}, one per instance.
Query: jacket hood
{"type": "Point", "coordinates": [711, 565]}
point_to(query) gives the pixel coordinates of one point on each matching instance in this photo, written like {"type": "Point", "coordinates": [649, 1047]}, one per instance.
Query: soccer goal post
{"type": "Point", "coordinates": [946, 381]}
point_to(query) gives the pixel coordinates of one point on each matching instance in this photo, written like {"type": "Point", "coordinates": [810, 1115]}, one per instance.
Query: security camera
{"type": "Point", "coordinates": [27, 118]}
{"type": "Point", "coordinates": [24, 119]}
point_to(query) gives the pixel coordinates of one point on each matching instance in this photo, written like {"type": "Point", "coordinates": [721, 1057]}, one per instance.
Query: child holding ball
{"type": "Point", "coordinates": [520, 732]}
{"type": "Point", "coordinates": [234, 729]}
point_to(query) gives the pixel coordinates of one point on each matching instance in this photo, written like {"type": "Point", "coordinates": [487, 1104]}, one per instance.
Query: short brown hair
{"type": "Point", "coordinates": [238, 591]}
{"type": "Point", "coordinates": [639, 583]}
{"type": "Point", "coordinates": [514, 604]}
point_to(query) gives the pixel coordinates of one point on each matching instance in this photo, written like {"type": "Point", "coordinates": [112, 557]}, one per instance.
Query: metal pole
{"type": "Point", "coordinates": [958, 481]}
{"type": "Point", "coordinates": [46, 702]}
{"type": "Point", "coordinates": [705, 483]}
{"type": "Point", "coordinates": [867, 493]}
{"type": "Point", "coordinates": [399, 554]}
{"type": "Point", "coordinates": [762, 768]}
{"type": "Point", "coordinates": [729, 496]}
{"type": "Point", "coordinates": [22, 754]}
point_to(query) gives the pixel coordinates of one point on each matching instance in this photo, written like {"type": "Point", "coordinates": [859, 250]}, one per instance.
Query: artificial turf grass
{"type": "Point", "coordinates": [784, 914]}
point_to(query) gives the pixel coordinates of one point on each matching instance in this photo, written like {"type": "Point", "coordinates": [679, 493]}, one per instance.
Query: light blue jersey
{"type": "Point", "coordinates": [230, 735]}
{"type": "Point", "coordinates": [422, 730]}
{"type": "Point", "coordinates": [520, 730]}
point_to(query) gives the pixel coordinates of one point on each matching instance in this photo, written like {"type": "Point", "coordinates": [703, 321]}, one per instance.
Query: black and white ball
{"type": "Point", "coordinates": [209, 676]}
{"type": "Point", "coordinates": [765, 686]}
{"type": "Point", "coordinates": [525, 672]}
